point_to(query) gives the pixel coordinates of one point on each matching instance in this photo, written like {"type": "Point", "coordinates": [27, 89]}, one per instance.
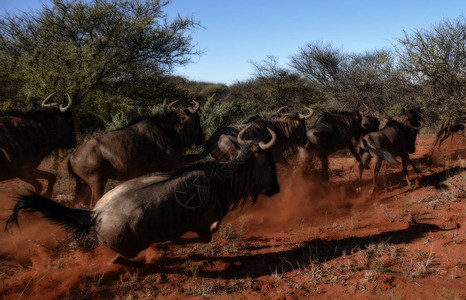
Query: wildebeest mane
{"type": "Point", "coordinates": [406, 120]}
{"type": "Point", "coordinates": [158, 118]}
{"type": "Point", "coordinates": [344, 116]}
{"type": "Point", "coordinates": [229, 181]}
{"type": "Point", "coordinates": [282, 126]}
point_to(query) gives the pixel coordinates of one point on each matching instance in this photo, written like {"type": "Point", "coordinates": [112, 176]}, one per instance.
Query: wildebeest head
{"type": "Point", "coordinates": [191, 124]}
{"type": "Point", "coordinates": [264, 173]}
{"type": "Point", "coordinates": [63, 132]}
{"type": "Point", "coordinates": [369, 124]}
{"type": "Point", "coordinates": [366, 123]}
{"type": "Point", "coordinates": [298, 125]}
{"type": "Point", "coordinates": [410, 119]}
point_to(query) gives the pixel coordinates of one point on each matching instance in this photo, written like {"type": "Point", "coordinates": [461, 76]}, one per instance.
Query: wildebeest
{"type": "Point", "coordinates": [334, 131]}
{"type": "Point", "coordinates": [448, 128]}
{"type": "Point", "coordinates": [26, 138]}
{"type": "Point", "coordinates": [396, 138]}
{"type": "Point", "coordinates": [146, 210]}
{"type": "Point", "coordinates": [290, 131]}
{"type": "Point", "coordinates": [146, 145]}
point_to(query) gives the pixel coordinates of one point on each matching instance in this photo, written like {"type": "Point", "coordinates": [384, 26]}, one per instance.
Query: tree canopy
{"type": "Point", "coordinates": [84, 47]}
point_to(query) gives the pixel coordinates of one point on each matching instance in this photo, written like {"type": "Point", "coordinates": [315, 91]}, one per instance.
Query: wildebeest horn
{"type": "Point", "coordinates": [65, 108]}
{"type": "Point", "coordinates": [386, 115]}
{"type": "Point", "coordinates": [265, 146]}
{"type": "Point", "coordinates": [404, 108]}
{"type": "Point", "coordinates": [280, 109]}
{"type": "Point", "coordinates": [341, 109]}
{"type": "Point", "coordinates": [195, 109]}
{"type": "Point", "coordinates": [43, 104]}
{"type": "Point", "coordinates": [170, 105]}
{"type": "Point", "coordinates": [240, 136]}
{"type": "Point", "coordinates": [311, 112]}
{"type": "Point", "coordinates": [365, 112]}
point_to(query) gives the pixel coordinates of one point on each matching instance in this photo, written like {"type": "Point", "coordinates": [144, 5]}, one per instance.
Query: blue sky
{"type": "Point", "coordinates": [236, 32]}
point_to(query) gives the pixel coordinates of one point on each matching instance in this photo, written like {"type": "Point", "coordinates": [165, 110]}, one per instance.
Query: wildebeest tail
{"type": "Point", "coordinates": [78, 221]}
{"type": "Point", "coordinates": [369, 145]}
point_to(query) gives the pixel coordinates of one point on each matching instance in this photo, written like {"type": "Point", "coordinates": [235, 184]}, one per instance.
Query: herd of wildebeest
{"type": "Point", "coordinates": [185, 195]}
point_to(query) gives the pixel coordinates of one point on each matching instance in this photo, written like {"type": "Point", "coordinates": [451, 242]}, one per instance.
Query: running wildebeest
{"type": "Point", "coordinates": [146, 145]}
{"type": "Point", "coordinates": [26, 138]}
{"type": "Point", "coordinates": [396, 138]}
{"type": "Point", "coordinates": [146, 210]}
{"type": "Point", "coordinates": [335, 131]}
{"type": "Point", "coordinates": [448, 128]}
{"type": "Point", "coordinates": [290, 131]}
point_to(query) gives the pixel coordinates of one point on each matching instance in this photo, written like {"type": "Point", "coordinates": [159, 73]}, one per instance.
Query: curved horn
{"type": "Point", "coordinates": [195, 109]}
{"type": "Point", "coordinates": [311, 112]}
{"type": "Point", "coordinates": [65, 108]}
{"type": "Point", "coordinates": [343, 107]}
{"type": "Point", "coordinates": [365, 112]}
{"type": "Point", "coordinates": [170, 105]}
{"type": "Point", "coordinates": [385, 113]}
{"type": "Point", "coordinates": [280, 109]}
{"type": "Point", "coordinates": [240, 136]}
{"type": "Point", "coordinates": [404, 108]}
{"type": "Point", "coordinates": [43, 104]}
{"type": "Point", "coordinates": [265, 146]}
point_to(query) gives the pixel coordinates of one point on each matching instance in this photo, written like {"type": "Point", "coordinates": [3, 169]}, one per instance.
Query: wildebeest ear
{"type": "Point", "coordinates": [235, 144]}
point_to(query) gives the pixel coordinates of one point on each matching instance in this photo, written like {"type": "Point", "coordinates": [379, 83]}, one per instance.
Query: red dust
{"type": "Point", "coordinates": [313, 239]}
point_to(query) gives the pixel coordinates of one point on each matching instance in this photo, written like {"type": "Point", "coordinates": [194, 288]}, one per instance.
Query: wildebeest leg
{"type": "Point", "coordinates": [443, 139]}
{"type": "Point", "coordinates": [133, 262]}
{"type": "Point", "coordinates": [377, 166]}
{"type": "Point", "coordinates": [31, 178]}
{"type": "Point", "coordinates": [51, 178]}
{"type": "Point", "coordinates": [405, 170]}
{"type": "Point", "coordinates": [97, 184]}
{"type": "Point", "coordinates": [412, 165]}
{"type": "Point", "coordinates": [365, 160]}
{"type": "Point", "coordinates": [353, 151]}
{"type": "Point", "coordinates": [83, 192]}
{"type": "Point", "coordinates": [324, 162]}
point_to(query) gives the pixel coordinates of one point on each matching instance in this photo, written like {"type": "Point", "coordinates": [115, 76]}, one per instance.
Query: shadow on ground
{"type": "Point", "coordinates": [317, 250]}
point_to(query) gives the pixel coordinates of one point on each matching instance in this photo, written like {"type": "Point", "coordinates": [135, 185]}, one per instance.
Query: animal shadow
{"type": "Point", "coordinates": [318, 250]}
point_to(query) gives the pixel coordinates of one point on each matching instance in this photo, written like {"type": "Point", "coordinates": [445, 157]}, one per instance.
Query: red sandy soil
{"type": "Point", "coordinates": [313, 239]}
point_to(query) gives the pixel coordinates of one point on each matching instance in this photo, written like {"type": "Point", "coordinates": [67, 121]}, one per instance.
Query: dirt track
{"type": "Point", "coordinates": [312, 239]}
